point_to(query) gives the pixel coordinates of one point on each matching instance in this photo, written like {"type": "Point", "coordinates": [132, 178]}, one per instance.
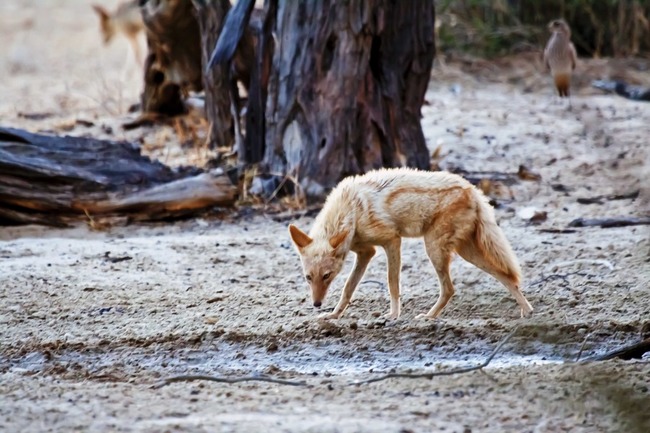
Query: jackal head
{"type": "Point", "coordinates": [105, 23]}
{"type": "Point", "coordinates": [322, 260]}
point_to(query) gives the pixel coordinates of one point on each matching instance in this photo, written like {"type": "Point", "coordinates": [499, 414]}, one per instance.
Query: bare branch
{"type": "Point", "coordinates": [596, 262]}
{"type": "Point", "coordinates": [442, 373]}
{"type": "Point", "coordinates": [609, 222]}
{"type": "Point", "coordinates": [379, 283]}
{"type": "Point", "coordinates": [563, 277]}
{"type": "Point", "coordinates": [195, 377]}
{"type": "Point", "coordinates": [582, 347]}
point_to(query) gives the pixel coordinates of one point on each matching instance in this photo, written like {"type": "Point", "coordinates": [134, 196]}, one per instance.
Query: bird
{"type": "Point", "coordinates": [560, 56]}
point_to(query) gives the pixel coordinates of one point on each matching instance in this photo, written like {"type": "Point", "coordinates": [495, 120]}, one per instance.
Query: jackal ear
{"type": "Point", "coordinates": [300, 238]}
{"type": "Point", "coordinates": [103, 13]}
{"type": "Point", "coordinates": [338, 239]}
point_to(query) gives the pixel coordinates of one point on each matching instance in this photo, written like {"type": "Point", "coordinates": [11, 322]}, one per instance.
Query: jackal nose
{"type": "Point", "coordinates": [317, 304]}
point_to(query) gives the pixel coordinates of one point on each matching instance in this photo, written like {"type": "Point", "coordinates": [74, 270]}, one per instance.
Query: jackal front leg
{"type": "Point", "coordinates": [360, 265]}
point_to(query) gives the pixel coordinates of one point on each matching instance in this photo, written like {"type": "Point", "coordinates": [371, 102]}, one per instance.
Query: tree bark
{"type": "Point", "coordinates": [346, 87]}
{"type": "Point", "coordinates": [246, 44]}
{"type": "Point", "coordinates": [336, 88]}
{"type": "Point", "coordinates": [211, 15]}
{"type": "Point", "coordinates": [173, 64]}
{"type": "Point", "coordinates": [258, 90]}
{"type": "Point", "coordinates": [180, 36]}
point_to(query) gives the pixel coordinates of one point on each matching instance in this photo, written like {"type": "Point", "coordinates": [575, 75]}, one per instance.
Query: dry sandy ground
{"type": "Point", "coordinates": [90, 321]}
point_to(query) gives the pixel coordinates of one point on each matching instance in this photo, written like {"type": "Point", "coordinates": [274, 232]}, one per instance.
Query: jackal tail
{"type": "Point", "coordinates": [492, 243]}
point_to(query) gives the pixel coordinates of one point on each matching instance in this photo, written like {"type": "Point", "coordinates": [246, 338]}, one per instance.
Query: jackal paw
{"type": "Point", "coordinates": [328, 316]}
{"type": "Point", "coordinates": [425, 317]}
{"type": "Point", "coordinates": [526, 314]}
{"type": "Point", "coordinates": [391, 316]}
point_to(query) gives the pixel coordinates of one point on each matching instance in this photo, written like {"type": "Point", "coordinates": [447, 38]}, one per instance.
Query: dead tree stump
{"type": "Point", "coordinates": [346, 88]}
{"type": "Point", "coordinates": [211, 15]}
{"type": "Point", "coordinates": [337, 88]}
{"type": "Point", "coordinates": [173, 64]}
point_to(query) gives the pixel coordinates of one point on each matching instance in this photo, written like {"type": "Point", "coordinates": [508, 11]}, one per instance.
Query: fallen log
{"type": "Point", "coordinates": [57, 180]}
{"type": "Point", "coordinates": [599, 198]}
{"type": "Point", "coordinates": [633, 351]}
{"type": "Point", "coordinates": [629, 91]}
{"type": "Point", "coordinates": [609, 222]}
{"type": "Point", "coordinates": [178, 196]}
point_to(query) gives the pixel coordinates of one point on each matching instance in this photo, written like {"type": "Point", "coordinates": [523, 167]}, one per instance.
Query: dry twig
{"type": "Point", "coordinates": [379, 283]}
{"type": "Point", "coordinates": [289, 216]}
{"type": "Point", "coordinates": [195, 377]}
{"type": "Point", "coordinates": [563, 277]}
{"type": "Point", "coordinates": [582, 347]}
{"type": "Point", "coordinates": [600, 262]}
{"type": "Point", "coordinates": [441, 373]}
{"type": "Point", "coordinates": [610, 222]}
{"type": "Point", "coordinates": [599, 198]}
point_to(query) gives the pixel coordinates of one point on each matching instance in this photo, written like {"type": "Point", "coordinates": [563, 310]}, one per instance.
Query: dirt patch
{"type": "Point", "coordinates": [89, 320]}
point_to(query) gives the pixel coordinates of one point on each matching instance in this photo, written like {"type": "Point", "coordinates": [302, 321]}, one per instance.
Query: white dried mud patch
{"type": "Point", "coordinates": [89, 321]}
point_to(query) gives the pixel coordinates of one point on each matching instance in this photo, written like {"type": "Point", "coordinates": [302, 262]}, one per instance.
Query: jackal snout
{"type": "Point", "coordinates": [318, 292]}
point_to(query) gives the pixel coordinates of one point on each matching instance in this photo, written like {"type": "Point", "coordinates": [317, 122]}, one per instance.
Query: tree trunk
{"type": "Point", "coordinates": [258, 91]}
{"type": "Point", "coordinates": [346, 87]}
{"type": "Point", "coordinates": [180, 37]}
{"type": "Point", "coordinates": [173, 64]}
{"type": "Point", "coordinates": [211, 15]}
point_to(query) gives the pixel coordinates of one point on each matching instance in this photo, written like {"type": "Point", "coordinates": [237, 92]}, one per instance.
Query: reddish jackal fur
{"type": "Point", "coordinates": [379, 209]}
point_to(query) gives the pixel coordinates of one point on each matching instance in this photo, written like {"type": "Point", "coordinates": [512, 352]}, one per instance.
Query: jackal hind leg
{"type": "Point", "coordinates": [471, 253]}
{"type": "Point", "coordinates": [440, 255]}
{"type": "Point", "coordinates": [394, 259]}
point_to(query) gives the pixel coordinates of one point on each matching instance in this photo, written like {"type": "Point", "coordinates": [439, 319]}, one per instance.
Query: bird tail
{"type": "Point", "coordinates": [562, 82]}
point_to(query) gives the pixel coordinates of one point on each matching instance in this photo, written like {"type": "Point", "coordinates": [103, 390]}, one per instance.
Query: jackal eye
{"type": "Point", "coordinates": [308, 277]}
{"type": "Point", "coordinates": [327, 276]}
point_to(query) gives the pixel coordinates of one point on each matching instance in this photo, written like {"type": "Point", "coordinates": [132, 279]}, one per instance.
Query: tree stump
{"type": "Point", "coordinates": [180, 37]}
{"type": "Point", "coordinates": [222, 100]}
{"type": "Point", "coordinates": [346, 88]}
{"type": "Point", "coordinates": [211, 15]}
{"type": "Point", "coordinates": [173, 64]}
{"type": "Point", "coordinates": [336, 88]}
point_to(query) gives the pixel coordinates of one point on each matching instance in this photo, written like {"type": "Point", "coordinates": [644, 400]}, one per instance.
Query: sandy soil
{"type": "Point", "coordinates": [90, 321]}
